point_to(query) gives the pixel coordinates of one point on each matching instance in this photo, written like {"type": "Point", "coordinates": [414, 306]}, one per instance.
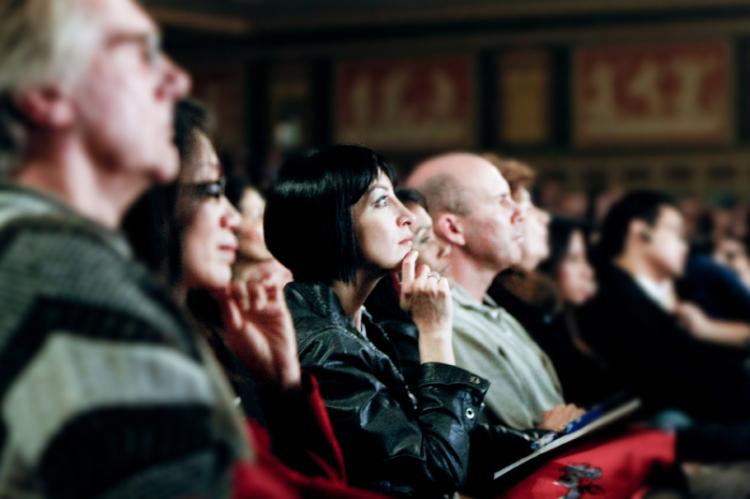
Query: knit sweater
{"type": "Point", "coordinates": [104, 390]}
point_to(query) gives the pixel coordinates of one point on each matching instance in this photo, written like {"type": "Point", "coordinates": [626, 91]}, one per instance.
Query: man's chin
{"type": "Point", "coordinates": [166, 170]}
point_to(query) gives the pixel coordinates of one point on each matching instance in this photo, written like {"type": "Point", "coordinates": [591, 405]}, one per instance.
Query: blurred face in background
{"type": "Point", "coordinates": [575, 276]}
{"type": "Point", "coordinates": [666, 247]}
{"type": "Point", "coordinates": [209, 244]}
{"type": "Point", "coordinates": [535, 244]}
{"type": "Point", "coordinates": [432, 250]}
{"type": "Point", "coordinates": [251, 238]}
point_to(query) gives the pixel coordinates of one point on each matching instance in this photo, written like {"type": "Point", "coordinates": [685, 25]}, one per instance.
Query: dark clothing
{"type": "Point", "coordinates": [716, 289]}
{"type": "Point", "coordinates": [647, 351]}
{"type": "Point", "coordinates": [398, 439]}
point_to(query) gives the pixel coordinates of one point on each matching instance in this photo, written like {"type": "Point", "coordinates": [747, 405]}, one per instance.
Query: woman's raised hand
{"type": "Point", "coordinates": [427, 296]}
{"type": "Point", "coordinates": [260, 331]}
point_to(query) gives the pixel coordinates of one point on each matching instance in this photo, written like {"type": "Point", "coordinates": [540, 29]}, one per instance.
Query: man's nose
{"type": "Point", "coordinates": [177, 82]}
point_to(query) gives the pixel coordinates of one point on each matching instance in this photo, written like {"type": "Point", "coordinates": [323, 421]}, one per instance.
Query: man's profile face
{"type": "Point", "coordinates": [667, 248]}
{"type": "Point", "coordinates": [493, 227]}
{"type": "Point", "coordinates": [124, 103]}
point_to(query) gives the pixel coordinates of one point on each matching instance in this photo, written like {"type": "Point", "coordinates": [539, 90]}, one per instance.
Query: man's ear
{"type": "Point", "coordinates": [448, 226]}
{"type": "Point", "coordinates": [46, 108]}
{"type": "Point", "coordinates": [639, 230]}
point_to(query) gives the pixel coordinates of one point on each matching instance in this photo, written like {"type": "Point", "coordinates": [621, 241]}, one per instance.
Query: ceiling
{"type": "Point", "coordinates": [263, 17]}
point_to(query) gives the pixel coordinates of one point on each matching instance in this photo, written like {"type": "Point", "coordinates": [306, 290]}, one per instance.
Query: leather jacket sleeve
{"type": "Point", "coordinates": [401, 442]}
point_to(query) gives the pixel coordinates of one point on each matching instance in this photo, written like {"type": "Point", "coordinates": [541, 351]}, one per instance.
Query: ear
{"type": "Point", "coordinates": [46, 108]}
{"type": "Point", "coordinates": [448, 226]}
{"type": "Point", "coordinates": [639, 230]}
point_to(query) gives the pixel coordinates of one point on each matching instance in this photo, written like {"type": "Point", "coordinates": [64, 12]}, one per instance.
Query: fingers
{"type": "Point", "coordinates": [408, 271]}
{"type": "Point", "coordinates": [444, 286]}
{"type": "Point", "coordinates": [241, 295]}
{"type": "Point", "coordinates": [258, 297]}
{"type": "Point", "coordinates": [231, 314]}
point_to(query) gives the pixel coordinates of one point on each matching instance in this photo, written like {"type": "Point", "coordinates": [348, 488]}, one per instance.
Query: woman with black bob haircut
{"type": "Point", "coordinates": [334, 221]}
{"type": "Point", "coordinates": [321, 188]}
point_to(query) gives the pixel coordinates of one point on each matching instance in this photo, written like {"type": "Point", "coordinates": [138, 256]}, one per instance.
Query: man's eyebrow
{"type": "Point", "coordinates": [145, 37]}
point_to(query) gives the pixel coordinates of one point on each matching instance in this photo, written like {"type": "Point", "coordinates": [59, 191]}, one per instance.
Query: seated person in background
{"type": "Point", "coordinates": [534, 298]}
{"type": "Point", "coordinates": [582, 374]}
{"type": "Point", "coordinates": [652, 343]}
{"type": "Point", "coordinates": [339, 206]}
{"type": "Point", "coordinates": [186, 233]}
{"type": "Point", "coordinates": [254, 261]}
{"type": "Point", "coordinates": [481, 230]}
{"type": "Point", "coordinates": [711, 282]}
{"type": "Point", "coordinates": [730, 252]}
{"type": "Point", "coordinates": [529, 296]}
{"type": "Point", "coordinates": [473, 210]}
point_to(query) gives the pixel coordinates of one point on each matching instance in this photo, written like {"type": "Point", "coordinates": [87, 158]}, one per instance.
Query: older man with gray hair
{"type": "Point", "coordinates": [104, 389]}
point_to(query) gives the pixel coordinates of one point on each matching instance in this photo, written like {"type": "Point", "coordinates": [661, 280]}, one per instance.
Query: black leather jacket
{"type": "Point", "coordinates": [398, 439]}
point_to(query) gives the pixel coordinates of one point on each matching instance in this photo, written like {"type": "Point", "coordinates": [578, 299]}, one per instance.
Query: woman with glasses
{"type": "Point", "coordinates": [185, 232]}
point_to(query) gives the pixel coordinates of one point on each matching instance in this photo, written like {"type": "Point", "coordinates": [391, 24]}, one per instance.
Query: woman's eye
{"type": "Point", "coordinates": [381, 202]}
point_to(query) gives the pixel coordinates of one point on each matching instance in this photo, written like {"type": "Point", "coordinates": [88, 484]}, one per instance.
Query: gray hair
{"type": "Point", "coordinates": [444, 192]}
{"type": "Point", "coordinates": [41, 42]}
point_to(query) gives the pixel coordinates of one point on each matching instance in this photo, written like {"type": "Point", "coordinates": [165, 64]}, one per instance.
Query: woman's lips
{"type": "Point", "coordinates": [230, 250]}
{"type": "Point", "coordinates": [409, 240]}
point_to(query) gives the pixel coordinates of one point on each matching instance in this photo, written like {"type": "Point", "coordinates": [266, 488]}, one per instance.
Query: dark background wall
{"type": "Point", "coordinates": [594, 94]}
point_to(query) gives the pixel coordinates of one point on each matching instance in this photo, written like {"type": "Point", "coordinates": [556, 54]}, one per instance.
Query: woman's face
{"type": "Point", "coordinates": [535, 246]}
{"type": "Point", "coordinates": [382, 225]}
{"type": "Point", "coordinates": [252, 241]}
{"type": "Point", "coordinates": [209, 244]}
{"type": "Point", "coordinates": [575, 277]}
{"type": "Point", "coordinates": [432, 250]}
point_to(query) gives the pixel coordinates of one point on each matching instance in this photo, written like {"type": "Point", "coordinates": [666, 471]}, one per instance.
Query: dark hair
{"type": "Point", "coordinates": [411, 196]}
{"type": "Point", "coordinates": [155, 224]}
{"type": "Point", "coordinates": [308, 221]}
{"type": "Point", "coordinates": [636, 205]}
{"type": "Point", "coordinates": [561, 230]}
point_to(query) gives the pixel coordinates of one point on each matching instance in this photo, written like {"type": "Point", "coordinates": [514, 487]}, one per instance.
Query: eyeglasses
{"type": "Point", "coordinates": [148, 43]}
{"type": "Point", "coordinates": [213, 189]}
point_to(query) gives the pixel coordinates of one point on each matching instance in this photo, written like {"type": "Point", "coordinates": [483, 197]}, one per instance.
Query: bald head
{"type": "Point", "coordinates": [447, 181]}
{"type": "Point", "coordinates": [472, 209]}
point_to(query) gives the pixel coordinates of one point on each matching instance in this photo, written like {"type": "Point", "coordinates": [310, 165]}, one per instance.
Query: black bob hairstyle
{"type": "Point", "coordinates": [642, 205]}
{"type": "Point", "coordinates": [308, 220]}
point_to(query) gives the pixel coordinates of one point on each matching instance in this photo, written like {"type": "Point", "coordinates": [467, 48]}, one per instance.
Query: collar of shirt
{"type": "Point", "coordinates": [661, 293]}
{"type": "Point", "coordinates": [487, 307]}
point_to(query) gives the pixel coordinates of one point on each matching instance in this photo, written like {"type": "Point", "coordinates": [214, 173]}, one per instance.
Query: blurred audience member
{"type": "Point", "coordinates": [731, 253]}
{"type": "Point", "coordinates": [106, 391]}
{"type": "Point", "coordinates": [186, 232]}
{"type": "Point", "coordinates": [254, 261]}
{"type": "Point", "coordinates": [582, 373]}
{"type": "Point", "coordinates": [637, 324]}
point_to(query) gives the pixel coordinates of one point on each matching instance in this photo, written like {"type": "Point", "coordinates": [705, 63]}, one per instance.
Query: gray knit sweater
{"type": "Point", "coordinates": [104, 389]}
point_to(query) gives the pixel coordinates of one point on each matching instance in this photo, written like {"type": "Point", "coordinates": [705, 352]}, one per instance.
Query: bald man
{"type": "Point", "coordinates": [472, 210]}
